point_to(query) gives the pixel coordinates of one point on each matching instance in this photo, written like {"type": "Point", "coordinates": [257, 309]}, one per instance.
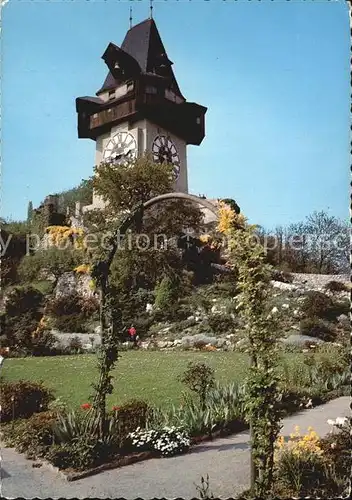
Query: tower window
{"type": "Point", "coordinates": [130, 86]}
{"type": "Point", "coordinates": [150, 90]}
{"type": "Point", "coordinates": [111, 95]}
{"type": "Point", "coordinates": [198, 121]}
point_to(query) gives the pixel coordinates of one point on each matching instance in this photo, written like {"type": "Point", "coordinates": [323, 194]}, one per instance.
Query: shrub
{"type": "Point", "coordinates": [300, 465]}
{"type": "Point", "coordinates": [70, 313]}
{"type": "Point", "coordinates": [199, 377]}
{"type": "Point", "coordinates": [142, 324]}
{"type": "Point", "coordinates": [166, 292]}
{"type": "Point", "coordinates": [81, 453]}
{"type": "Point", "coordinates": [317, 304]}
{"type": "Point", "coordinates": [309, 466]}
{"type": "Point", "coordinates": [89, 306]}
{"type": "Point", "coordinates": [22, 314]}
{"type": "Point", "coordinates": [64, 305]}
{"type": "Point", "coordinates": [336, 286]}
{"type": "Point", "coordinates": [337, 450]}
{"type": "Point", "coordinates": [221, 323]}
{"type": "Point", "coordinates": [73, 323]}
{"type": "Point", "coordinates": [43, 344]}
{"type": "Point", "coordinates": [224, 410]}
{"type": "Point", "coordinates": [32, 436]}
{"type": "Point", "coordinates": [199, 344]}
{"type": "Point", "coordinates": [282, 276]}
{"type": "Point", "coordinates": [331, 359]}
{"type": "Point", "coordinates": [23, 299]}
{"type": "Point", "coordinates": [23, 398]}
{"type": "Point", "coordinates": [19, 330]}
{"type": "Point", "coordinates": [130, 416]}
{"type": "Point", "coordinates": [73, 425]}
{"type": "Point", "coordinates": [316, 327]}
{"type": "Point", "coordinates": [75, 345]}
{"type": "Point", "coordinates": [339, 307]}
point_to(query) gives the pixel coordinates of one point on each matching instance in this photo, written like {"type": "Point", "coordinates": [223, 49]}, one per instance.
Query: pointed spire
{"type": "Point", "coordinates": [130, 17]}
{"type": "Point", "coordinates": [151, 9]}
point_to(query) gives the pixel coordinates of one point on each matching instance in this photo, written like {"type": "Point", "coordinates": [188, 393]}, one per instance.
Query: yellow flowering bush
{"type": "Point", "coordinates": [300, 445]}
{"type": "Point", "coordinates": [300, 463]}
{"type": "Point", "coordinates": [83, 269]}
{"type": "Point", "coordinates": [205, 238]}
{"type": "Point", "coordinates": [228, 219]}
{"type": "Point", "coordinates": [60, 234]}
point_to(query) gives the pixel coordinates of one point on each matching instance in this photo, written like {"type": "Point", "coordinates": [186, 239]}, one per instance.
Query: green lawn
{"type": "Point", "coordinates": [151, 376]}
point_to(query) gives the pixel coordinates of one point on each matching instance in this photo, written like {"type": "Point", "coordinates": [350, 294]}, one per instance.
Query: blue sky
{"type": "Point", "coordinates": [274, 76]}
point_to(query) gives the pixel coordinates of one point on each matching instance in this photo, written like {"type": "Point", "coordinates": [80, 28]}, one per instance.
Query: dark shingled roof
{"type": "Point", "coordinates": [144, 44]}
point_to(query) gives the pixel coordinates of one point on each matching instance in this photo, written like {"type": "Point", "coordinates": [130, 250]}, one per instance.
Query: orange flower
{"type": "Point", "coordinates": [116, 408]}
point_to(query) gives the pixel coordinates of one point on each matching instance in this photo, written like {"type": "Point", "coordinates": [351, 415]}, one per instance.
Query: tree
{"type": "Point", "coordinates": [150, 250]}
{"type": "Point", "coordinates": [13, 248]}
{"type": "Point", "coordinates": [125, 186]}
{"type": "Point", "coordinates": [29, 212]}
{"type": "Point", "coordinates": [23, 311]}
{"type": "Point", "coordinates": [262, 384]}
{"type": "Point", "coordinates": [82, 193]}
{"type": "Point", "coordinates": [319, 244]}
{"type": "Point", "coordinates": [328, 242]}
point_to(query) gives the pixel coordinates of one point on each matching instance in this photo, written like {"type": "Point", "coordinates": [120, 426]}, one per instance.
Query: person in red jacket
{"type": "Point", "coordinates": [133, 334]}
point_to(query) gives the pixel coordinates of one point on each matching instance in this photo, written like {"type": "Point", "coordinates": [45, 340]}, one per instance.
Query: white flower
{"type": "Point", "coordinates": [341, 420]}
{"type": "Point", "coordinates": [296, 312]}
{"type": "Point", "coordinates": [274, 310]}
{"type": "Point", "coordinates": [285, 306]}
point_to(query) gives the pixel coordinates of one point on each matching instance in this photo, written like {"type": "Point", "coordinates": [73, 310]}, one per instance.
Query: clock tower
{"type": "Point", "coordinates": [140, 107]}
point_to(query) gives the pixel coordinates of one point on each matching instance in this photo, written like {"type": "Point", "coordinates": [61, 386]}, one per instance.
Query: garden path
{"type": "Point", "coordinates": [226, 460]}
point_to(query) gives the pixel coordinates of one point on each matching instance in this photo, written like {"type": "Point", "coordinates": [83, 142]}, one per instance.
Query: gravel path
{"type": "Point", "coordinates": [226, 461]}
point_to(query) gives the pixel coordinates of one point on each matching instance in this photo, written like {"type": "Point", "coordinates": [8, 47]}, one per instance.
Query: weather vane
{"type": "Point", "coordinates": [151, 9]}
{"type": "Point", "coordinates": [130, 17]}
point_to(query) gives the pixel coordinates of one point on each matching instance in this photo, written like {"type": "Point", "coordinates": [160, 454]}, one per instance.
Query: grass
{"type": "Point", "coordinates": [151, 376]}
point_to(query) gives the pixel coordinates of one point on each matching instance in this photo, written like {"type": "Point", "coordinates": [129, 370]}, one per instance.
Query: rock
{"type": "Point", "coordinates": [87, 347]}
{"type": "Point", "coordinates": [189, 341]}
{"type": "Point", "coordinates": [177, 342]}
{"type": "Point", "coordinates": [343, 318]}
{"type": "Point", "coordinates": [283, 286]}
{"type": "Point", "coordinates": [162, 344]}
{"type": "Point", "coordinates": [65, 338]}
{"type": "Point", "coordinates": [230, 336]}
{"type": "Point", "coordinates": [72, 282]}
{"type": "Point", "coordinates": [191, 318]}
{"type": "Point", "coordinates": [241, 343]}
{"type": "Point", "coordinates": [301, 340]}
{"type": "Point", "coordinates": [98, 330]}
{"type": "Point", "coordinates": [221, 343]}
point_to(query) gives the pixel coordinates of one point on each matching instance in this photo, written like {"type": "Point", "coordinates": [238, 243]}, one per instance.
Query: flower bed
{"type": "Point", "coordinates": [312, 466]}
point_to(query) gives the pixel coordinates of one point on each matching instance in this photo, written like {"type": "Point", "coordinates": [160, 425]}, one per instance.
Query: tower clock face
{"type": "Point", "coordinates": [164, 151]}
{"type": "Point", "coordinates": [121, 148]}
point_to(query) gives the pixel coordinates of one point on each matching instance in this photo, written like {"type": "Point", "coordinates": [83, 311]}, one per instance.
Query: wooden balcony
{"type": "Point", "coordinates": [115, 112]}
